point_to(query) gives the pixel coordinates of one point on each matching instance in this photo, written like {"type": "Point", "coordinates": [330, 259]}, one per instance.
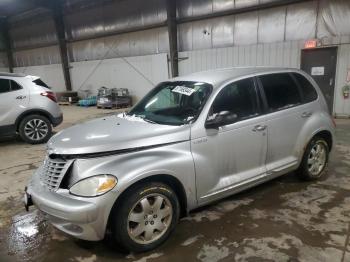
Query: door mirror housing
{"type": "Point", "coordinates": [220, 119]}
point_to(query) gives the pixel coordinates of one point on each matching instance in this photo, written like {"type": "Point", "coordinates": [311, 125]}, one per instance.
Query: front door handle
{"type": "Point", "coordinates": [306, 114]}
{"type": "Point", "coordinates": [259, 128]}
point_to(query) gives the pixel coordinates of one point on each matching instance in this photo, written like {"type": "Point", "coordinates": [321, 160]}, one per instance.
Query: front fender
{"type": "Point", "coordinates": [174, 160]}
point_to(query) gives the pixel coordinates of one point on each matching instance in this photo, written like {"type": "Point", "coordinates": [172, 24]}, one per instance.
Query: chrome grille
{"type": "Point", "coordinates": [53, 172]}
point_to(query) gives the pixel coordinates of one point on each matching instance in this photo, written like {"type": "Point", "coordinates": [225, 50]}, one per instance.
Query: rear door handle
{"type": "Point", "coordinates": [259, 128]}
{"type": "Point", "coordinates": [306, 114]}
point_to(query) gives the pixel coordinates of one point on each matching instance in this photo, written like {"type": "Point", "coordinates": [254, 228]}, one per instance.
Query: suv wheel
{"type": "Point", "coordinates": [35, 129]}
{"type": "Point", "coordinates": [145, 217]}
{"type": "Point", "coordinates": [315, 159]}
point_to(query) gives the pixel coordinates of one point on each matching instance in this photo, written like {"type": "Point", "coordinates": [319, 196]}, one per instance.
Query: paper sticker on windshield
{"type": "Point", "coordinates": [184, 90]}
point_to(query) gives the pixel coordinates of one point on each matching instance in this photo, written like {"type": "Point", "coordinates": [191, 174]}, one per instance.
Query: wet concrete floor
{"type": "Point", "coordinates": [283, 220]}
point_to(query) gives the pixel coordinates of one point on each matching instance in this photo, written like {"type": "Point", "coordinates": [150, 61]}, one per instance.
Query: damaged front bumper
{"type": "Point", "coordinates": [84, 218]}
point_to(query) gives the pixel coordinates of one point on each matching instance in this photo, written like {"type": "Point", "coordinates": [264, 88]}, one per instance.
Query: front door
{"type": "Point", "coordinates": [321, 64]}
{"type": "Point", "coordinates": [233, 154]}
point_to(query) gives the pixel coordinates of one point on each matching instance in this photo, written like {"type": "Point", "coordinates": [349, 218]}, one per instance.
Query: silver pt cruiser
{"type": "Point", "coordinates": [189, 141]}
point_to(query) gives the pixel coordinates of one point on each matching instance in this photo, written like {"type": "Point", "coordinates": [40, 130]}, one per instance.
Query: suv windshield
{"type": "Point", "coordinates": [173, 103]}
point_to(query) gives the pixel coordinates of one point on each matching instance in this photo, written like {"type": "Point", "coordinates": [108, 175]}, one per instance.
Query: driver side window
{"type": "Point", "coordinates": [238, 98]}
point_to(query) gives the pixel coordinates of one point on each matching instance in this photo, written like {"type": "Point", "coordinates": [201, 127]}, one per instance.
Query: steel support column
{"type": "Point", "coordinates": [61, 37]}
{"type": "Point", "coordinates": [7, 43]}
{"type": "Point", "coordinates": [172, 31]}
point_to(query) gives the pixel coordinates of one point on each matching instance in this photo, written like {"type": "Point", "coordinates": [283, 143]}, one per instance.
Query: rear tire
{"type": "Point", "coordinates": [145, 217]}
{"type": "Point", "coordinates": [315, 159]}
{"type": "Point", "coordinates": [35, 129]}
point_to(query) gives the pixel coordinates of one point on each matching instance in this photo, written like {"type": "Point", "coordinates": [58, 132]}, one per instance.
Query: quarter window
{"type": "Point", "coordinates": [238, 98]}
{"type": "Point", "coordinates": [281, 91]}
{"type": "Point", "coordinates": [15, 86]}
{"type": "Point", "coordinates": [307, 88]}
{"type": "Point", "coordinates": [4, 86]}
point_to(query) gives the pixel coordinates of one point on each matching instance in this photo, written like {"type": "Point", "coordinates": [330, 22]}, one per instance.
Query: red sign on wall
{"type": "Point", "coordinates": [310, 43]}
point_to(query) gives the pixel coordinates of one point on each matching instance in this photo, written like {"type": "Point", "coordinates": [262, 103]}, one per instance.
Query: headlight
{"type": "Point", "coordinates": [93, 186]}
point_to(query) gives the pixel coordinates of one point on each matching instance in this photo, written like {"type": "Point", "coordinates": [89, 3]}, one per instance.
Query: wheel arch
{"type": "Point", "coordinates": [169, 180]}
{"type": "Point", "coordinates": [326, 135]}
{"type": "Point", "coordinates": [32, 112]}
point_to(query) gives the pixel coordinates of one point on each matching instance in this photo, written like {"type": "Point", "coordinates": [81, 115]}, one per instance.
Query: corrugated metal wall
{"type": "Point", "coordinates": [318, 18]}
{"type": "Point", "coordinates": [267, 37]}
{"type": "Point", "coordinates": [293, 22]}
{"type": "Point", "coordinates": [113, 17]}
{"type": "Point", "coordinates": [283, 54]}
{"type": "Point", "coordinates": [39, 56]}
{"type": "Point", "coordinates": [153, 41]}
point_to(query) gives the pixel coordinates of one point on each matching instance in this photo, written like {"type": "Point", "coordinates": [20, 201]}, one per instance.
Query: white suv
{"type": "Point", "coordinates": [27, 107]}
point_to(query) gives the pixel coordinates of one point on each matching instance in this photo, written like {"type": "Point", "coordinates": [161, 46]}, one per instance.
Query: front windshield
{"type": "Point", "coordinates": [173, 103]}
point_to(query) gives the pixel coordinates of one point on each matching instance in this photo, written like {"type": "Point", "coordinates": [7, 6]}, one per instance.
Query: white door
{"type": "Point", "coordinates": [13, 100]}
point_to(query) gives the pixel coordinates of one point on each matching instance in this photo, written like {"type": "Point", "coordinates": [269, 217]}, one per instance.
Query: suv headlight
{"type": "Point", "coordinates": [93, 186]}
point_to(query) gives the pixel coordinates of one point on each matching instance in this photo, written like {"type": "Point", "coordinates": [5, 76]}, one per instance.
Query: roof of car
{"type": "Point", "coordinates": [219, 76]}
{"type": "Point", "coordinates": [6, 74]}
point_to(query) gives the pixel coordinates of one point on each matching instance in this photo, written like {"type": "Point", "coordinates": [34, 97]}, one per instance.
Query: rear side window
{"type": "Point", "coordinates": [239, 98]}
{"type": "Point", "coordinates": [14, 86]}
{"type": "Point", "coordinates": [307, 88]}
{"type": "Point", "coordinates": [281, 91]}
{"type": "Point", "coordinates": [40, 82]}
{"type": "Point", "coordinates": [4, 86]}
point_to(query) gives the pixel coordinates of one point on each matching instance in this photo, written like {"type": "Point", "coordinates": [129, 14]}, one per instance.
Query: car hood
{"type": "Point", "coordinates": [114, 133]}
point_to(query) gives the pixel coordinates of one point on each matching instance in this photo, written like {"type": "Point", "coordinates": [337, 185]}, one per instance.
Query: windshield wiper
{"type": "Point", "coordinates": [149, 121]}
{"type": "Point", "coordinates": [143, 117]}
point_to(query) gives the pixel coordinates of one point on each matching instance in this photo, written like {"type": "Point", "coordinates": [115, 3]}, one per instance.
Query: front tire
{"type": "Point", "coordinates": [35, 129]}
{"type": "Point", "coordinates": [315, 159]}
{"type": "Point", "coordinates": [145, 217]}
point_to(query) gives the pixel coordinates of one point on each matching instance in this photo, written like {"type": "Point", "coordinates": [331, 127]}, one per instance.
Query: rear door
{"type": "Point", "coordinates": [286, 115]}
{"type": "Point", "coordinates": [235, 153]}
{"type": "Point", "coordinates": [13, 100]}
{"type": "Point", "coordinates": [321, 64]}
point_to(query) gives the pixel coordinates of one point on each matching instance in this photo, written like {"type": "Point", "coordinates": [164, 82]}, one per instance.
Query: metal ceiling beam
{"type": "Point", "coordinates": [61, 37]}
{"type": "Point", "coordinates": [240, 10]}
{"type": "Point", "coordinates": [172, 32]}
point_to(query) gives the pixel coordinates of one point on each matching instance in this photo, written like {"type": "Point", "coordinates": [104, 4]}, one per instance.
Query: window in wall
{"type": "Point", "coordinates": [281, 91]}
{"type": "Point", "coordinates": [4, 85]}
{"type": "Point", "coordinates": [239, 98]}
{"type": "Point", "coordinates": [307, 88]}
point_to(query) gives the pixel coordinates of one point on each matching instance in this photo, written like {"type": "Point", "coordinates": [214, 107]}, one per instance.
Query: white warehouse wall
{"type": "Point", "coordinates": [52, 75]}
{"type": "Point", "coordinates": [139, 74]}
{"type": "Point", "coordinates": [283, 54]}
{"type": "Point", "coordinates": [4, 69]}
{"type": "Point", "coordinates": [341, 105]}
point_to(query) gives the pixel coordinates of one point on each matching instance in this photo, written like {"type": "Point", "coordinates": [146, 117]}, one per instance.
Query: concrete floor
{"type": "Point", "coordinates": [282, 220]}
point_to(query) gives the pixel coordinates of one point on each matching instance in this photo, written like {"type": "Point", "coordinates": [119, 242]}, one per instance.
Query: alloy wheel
{"type": "Point", "coordinates": [317, 159]}
{"type": "Point", "coordinates": [150, 218]}
{"type": "Point", "coordinates": [36, 129]}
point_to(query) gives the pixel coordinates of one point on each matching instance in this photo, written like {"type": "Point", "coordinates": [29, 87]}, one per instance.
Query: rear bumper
{"type": "Point", "coordinates": [84, 218]}
{"type": "Point", "coordinates": [57, 120]}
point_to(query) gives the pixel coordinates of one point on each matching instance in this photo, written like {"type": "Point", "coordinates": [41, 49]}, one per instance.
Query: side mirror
{"type": "Point", "coordinates": [220, 119]}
